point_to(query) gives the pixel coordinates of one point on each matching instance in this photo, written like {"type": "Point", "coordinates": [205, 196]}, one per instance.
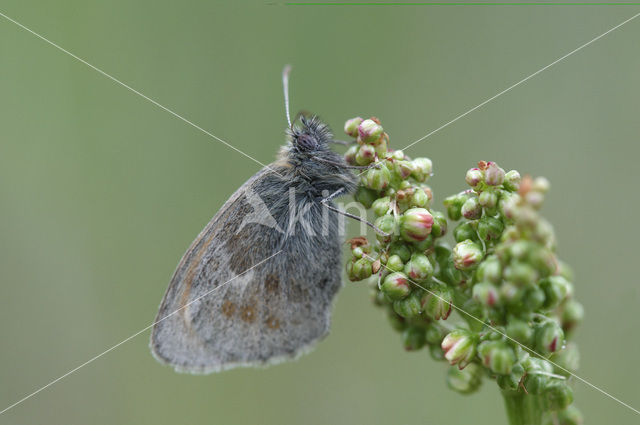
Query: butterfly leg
{"type": "Point", "coordinates": [326, 200]}
{"type": "Point", "coordinates": [350, 167]}
{"type": "Point", "coordinates": [343, 142]}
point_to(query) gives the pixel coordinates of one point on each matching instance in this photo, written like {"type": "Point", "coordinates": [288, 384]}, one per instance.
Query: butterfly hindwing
{"type": "Point", "coordinates": [231, 312]}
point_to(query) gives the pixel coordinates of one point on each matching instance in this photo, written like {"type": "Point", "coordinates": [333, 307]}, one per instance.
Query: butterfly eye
{"type": "Point", "coordinates": [307, 142]}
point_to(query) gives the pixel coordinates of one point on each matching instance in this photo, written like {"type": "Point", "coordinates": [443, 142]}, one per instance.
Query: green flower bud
{"type": "Point", "coordinates": [489, 228]}
{"type": "Point", "coordinates": [409, 307]}
{"type": "Point", "coordinates": [537, 376]}
{"type": "Point", "coordinates": [398, 323]}
{"type": "Point", "coordinates": [370, 131]}
{"type": "Point", "coordinates": [362, 269]}
{"type": "Point", "coordinates": [467, 255]}
{"type": "Point", "coordinates": [549, 337]}
{"type": "Point", "coordinates": [406, 186]}
{"type": "Point", "coordinates": [540, 184]}
{"type": "Point", "coordinates": [420, 199]}
{"type": "Point", "coordinates": [439, 226]}
{"type": "Point", "coordinates": [519, 330]}
{"type": "Point", "coordinates": [377, 178]}
{"type": "Point", "coordinates": [454, 205]}
{"type": "Point", "coordinates": [381, 206]}
{"type": "Point", "coordinates": [465, 381]}
{"type": "Point", "coordinates": [398, 154]}
{"type": "Point", "coordinates": [572, 315]}
{"type": "Point", "coordinates": [497, 356]}
{"type": "Point", "coordinates": [413, 338]}
{"type": "Point", "coordinates": [437, 303]}
{"type": "Point", "coordinates": [486, 293]}
{"type": "Point", "coordinates": [349, 269]}
{"type": "Point", "coordinates": [396, 286]}
{"type": "Point", "coordinates": [510, 293]}
{"type": "Point", "coordinates": [474, 309]}
{"type": "Point", "coordinates": [350, 154]}
{"type": "Point", "coordinates": [543, 260]}
{"type": "Point", "coordinates": [365, 196]}
{"type": "Point", "coordinates": [556, 289]}
{"type": "Point", "coordinates": [419, 268]}
{"type": "Point", "coordinates": [442, 252]}
{"type": "Point", "coordinates": [533, 298]}
{"type": "Point", "coordinates": [351, 126]}
{"type": "Point", "coordinates": [403, 168]}
{"type": "Point", "coordinates": [565, 271]}
{"type": "Point", "coordinates": [424, 245]}
{"type": "Point", "coordinates": [422, 169]}
{"type": "Point", "coordinates": [381, 147]}
{"type": "Point", "coordinates": [400, 249]}
{"type": "Point", "coordinates": [459, 347]}
{"type": "Point", "coordinates": [510, 234]}
{"type": "Point", "coordinates": [436, 352]}
{"type": "Point", "coordinates": [471, 209]}
{"type": "Point", "coordinates": [415, 224]}
{"type": "Point", "coordinates": [395, 264]}
{"type": "Point", "coordinates": [451, 274]}
{"type": "Point", "coordinates": [544, 232]}
{"type": "Point", "coordinates": [434, 335]}
{"type": "Point", "coordinates": [488, 199]}
{"type": "Point", "coordinates": [464, 231]}
{"type": "Point", "coordinates": [358, 252]}
{"type": "Point", "coordinates": [558, 394]}
{"type": "Point", "coordinates": [386, 223]}
{"type": "Point", "coordinates": [535, 199]}
{"type": "Point", "coordinates": [493, 175]}
{"type": "Point", "coordinates": [512, 380]}
{"type": "Point", "coordinates": [569, 416]}
{"type": "Point", "coordinates": [511, 181]}
{"type": "Point", "coordinates": [474, 177]}
{"type": "Point", "coordinates": [568, 359]}
{"type": "Point", "coordinates": [378, 298]}
{"type": "Point", "coordinates": [520, 250]}
{"type": "Point", "coordinates": [521, 274]}
{"type": "Point", "coordinates": [490, 270]}
{"type": "Point", "coordinates": [366, 154]}
{"type": "Point", "coordinates": [508, 204]}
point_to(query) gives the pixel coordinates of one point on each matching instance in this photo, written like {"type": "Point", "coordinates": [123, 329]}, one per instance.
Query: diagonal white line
{"type": "Point", "coordinates": [522, 81]}
{"type": "Point", "coordinates": [114, 79]}
{"type": "Point", "coordinates": [513, 340]}
{"type": "Point", "coordinates": [132, 336]}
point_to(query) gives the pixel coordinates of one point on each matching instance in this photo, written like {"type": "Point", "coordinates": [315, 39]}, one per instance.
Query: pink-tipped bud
{"type": "Point", "coordinates": [366, 154]}
{"type": "Point", "coordinates": [467, 255]}
{"type": "Point", "coordinates": [474, 177]}
{"type": "Point", "coordinates": [370, 131]}
{"type": "Point", "coordinates": [493, 175]}
{"type": "Point", "coordinates": [351, 126]}
{"type": "Point", "coordinates": [459, 347]}
{"type": "Point", "coordinates": [415, 224]}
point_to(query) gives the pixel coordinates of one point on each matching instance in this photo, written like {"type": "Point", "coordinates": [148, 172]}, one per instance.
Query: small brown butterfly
{"type": "Point", "coordinates": [226, 306]}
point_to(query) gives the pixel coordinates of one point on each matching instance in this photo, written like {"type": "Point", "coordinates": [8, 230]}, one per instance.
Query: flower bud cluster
{"type": "Point", "coordinates": [516, 298]}
{"type": "Point", "coordinates": [513, 282]}
{"type": "Point", "coordinates": [401, 265]}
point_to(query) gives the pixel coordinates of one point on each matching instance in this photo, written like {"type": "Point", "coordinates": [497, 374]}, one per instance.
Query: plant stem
{"type": "Point", "coordinates": [523, 408]}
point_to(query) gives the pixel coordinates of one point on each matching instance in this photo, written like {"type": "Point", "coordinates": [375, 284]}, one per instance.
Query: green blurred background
{"type": "Point", "coordinates": [101, 191]}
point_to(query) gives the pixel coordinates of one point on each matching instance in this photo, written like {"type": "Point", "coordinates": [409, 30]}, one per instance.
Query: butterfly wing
{"type": "Point", "coordinates": [227, 307]}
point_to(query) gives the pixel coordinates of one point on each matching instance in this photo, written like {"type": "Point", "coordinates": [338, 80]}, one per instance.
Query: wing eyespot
{"type": "Point", "coordinates": [228, 308]}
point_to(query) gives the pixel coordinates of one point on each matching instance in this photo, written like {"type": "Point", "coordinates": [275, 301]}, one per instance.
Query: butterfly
{"type": "Point", "coordinates": [256, 286]}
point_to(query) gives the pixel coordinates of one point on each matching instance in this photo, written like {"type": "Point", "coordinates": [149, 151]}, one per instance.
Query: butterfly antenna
{"type": "Point", "coordinates": [285, 86]}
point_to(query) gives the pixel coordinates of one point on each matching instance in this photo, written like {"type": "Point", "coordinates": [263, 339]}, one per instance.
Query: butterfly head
{"type": "Point", "coordinates": [311, 137]}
